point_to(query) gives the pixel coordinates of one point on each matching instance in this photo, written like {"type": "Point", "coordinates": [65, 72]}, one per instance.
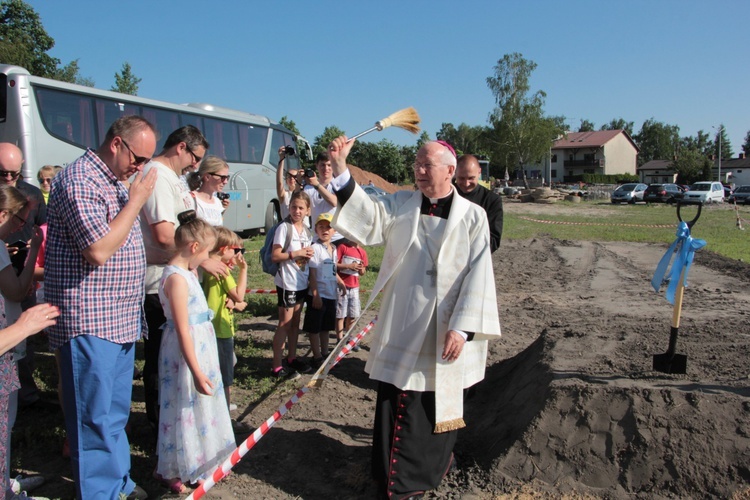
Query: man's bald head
{"type": "Point", "coordinates": [468, 173]}
{"type": "Point", "coordinates": [11, 159]}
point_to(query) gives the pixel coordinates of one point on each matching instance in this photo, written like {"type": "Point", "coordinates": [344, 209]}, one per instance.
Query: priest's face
{"type": "Point", "coordinates": [434, 169]}
{"type": "Point", "coordinates": [467, 174]}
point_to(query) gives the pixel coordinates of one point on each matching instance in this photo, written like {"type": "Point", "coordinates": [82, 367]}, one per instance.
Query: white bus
{"type": "Point", "coordinates": [53, 122]}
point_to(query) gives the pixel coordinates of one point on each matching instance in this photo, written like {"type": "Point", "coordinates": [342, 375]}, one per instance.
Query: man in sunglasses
{"type": "Point", "coordinates": [183, 149]}
{"type": "Point", "coordinates": [94, 272]}
{"type": "Point", "coordinates": [11, 161]}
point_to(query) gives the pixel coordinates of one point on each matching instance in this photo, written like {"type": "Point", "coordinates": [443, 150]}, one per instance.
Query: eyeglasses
{"type": "Point", "coordinates": [196, 158]}
{"type": "Point", "coordinates": [223, 178]}
{"type": "Point", "coordinates": [139, 160]}
{"type": "Point", "coordinates": [20, 219]}
{"type": "Point", "coordinates": [238, 250]}
{"type": "Point", "coordinates": [426, 166]}
{"type": "Point", "coordinates": [45, 180]}
{"type": "Point", "coordinates": [8, 173]}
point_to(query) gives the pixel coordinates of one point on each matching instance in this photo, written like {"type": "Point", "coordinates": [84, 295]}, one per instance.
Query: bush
{"type": "Point", "coordinates": [604, 179]}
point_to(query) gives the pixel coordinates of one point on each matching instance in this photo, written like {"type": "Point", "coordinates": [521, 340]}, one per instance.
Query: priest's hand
{"type": "Point", "coordinates": [454, 344]}
{"type": "Point", "coordinates": [338, 150]}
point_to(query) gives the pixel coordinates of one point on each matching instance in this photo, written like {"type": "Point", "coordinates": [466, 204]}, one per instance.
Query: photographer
{"type": "Point", "coordinates": [284, 190]}
{"type": "Point", "coordinates": [206, 186]}
{"type": "Point", "coordinates": [318, 188]}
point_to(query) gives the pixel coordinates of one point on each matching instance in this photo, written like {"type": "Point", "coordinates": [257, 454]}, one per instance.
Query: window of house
{"type": "Point", "coordinates": [554, 158]}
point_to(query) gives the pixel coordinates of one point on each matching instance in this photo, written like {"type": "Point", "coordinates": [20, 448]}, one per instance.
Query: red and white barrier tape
{"type": "Point", "coordinates": [567, 223]}
{"type": "Point", "coordinates": [259, 290]}
{"type": "Point", "coordinates": [226, 467]}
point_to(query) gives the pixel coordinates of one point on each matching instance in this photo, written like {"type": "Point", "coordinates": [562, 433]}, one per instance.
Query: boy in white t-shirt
{"type": "Point", "coordinates": [320, 317]}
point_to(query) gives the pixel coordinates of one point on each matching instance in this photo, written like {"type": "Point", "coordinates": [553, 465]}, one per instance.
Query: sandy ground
{"type": "Point", "coordinates": [570, 406]}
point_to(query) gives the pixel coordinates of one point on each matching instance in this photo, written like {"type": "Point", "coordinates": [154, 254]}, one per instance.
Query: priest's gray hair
{"type": "Point", "coordinates": [446, 156]}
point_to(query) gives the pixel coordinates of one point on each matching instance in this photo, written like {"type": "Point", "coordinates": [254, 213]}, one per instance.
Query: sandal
{"type": "Point", "coordinates": [174, 485]}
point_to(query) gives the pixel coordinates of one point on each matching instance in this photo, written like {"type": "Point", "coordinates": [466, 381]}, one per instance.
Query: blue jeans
{"type": "Point", "coordinates": [97, 379]}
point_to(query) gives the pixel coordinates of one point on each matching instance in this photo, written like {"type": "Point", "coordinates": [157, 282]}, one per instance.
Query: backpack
{"type": "Point", "coordinates": [268, 265]}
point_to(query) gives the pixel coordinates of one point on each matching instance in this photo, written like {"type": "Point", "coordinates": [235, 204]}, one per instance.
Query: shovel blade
{"type": "Point", "coordinates": [670, 363]}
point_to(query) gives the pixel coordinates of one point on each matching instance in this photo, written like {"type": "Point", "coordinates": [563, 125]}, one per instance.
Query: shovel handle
{"type": "Point", "coordinates": [677, 311]}
{"type": "Point", "coordinates": [690, 223]}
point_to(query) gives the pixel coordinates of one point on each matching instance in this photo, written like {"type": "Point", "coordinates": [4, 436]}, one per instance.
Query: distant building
{"type": "Point", "coordinates": [734, 171]}
{"type": "Point", "coordinates": [604, 152]}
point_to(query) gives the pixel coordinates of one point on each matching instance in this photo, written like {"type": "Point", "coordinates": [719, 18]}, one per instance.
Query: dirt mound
{"type": "Point", "coordinates": [364, 177]}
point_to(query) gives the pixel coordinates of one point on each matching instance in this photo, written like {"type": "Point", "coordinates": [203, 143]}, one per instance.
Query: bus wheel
{"type": "Point", "coordinates": [272, 216]}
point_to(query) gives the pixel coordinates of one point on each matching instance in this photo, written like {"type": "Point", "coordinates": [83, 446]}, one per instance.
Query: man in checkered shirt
{"type": "Point", "coordinates": [94, 272]}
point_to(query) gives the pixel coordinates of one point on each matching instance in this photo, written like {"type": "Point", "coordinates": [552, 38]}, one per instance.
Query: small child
{"type": "Point", "coordinates": [352, 264]}
{"type": "Point", "coordinates": [291, 284]}
{"type": "Point", "coordinates": [224, 296]}
{"type": "Point", "coordinates": [320, 317]}
{"type": "Point", "coordinates": [195, 430]}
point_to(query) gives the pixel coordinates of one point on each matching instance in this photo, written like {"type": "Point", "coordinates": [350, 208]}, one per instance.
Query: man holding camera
{"type": "Point", "coordinates": [318, 188]}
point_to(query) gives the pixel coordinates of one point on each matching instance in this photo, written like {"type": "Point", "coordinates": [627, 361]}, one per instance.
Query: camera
{"type": "Point", "coordinates": [222, 196]}
{"type": "Point", "coordinates": [289, 150]}
{"type": "Point", "coordinates": [309, 172]}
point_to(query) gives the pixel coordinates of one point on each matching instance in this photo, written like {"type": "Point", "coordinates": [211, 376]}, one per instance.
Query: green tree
{"type": "Point", "coordinates": [586, 126]}
{"type": "Point", "coordinates": [23, 39]}
{"type": "Point", "coordinates": [24, 42]}
{"type": "Point", "coordinates": [657, 141]}
{"type": "Point", "coordinates": [701, 143]}
{"type": "Point", "coordinates": [746, 145]}
{"type": "Point", "coordinates": [71, 73]}
{"type": "Point", "coordinates": [689, 166]}
{"type": "Point", "coordinates": [465, 139]}
{"type": "Point", "coordinates": [321, 142]}
{"type": "Point", "coordinates": [125, 81]}
{"type": "Point", "coordinates": [382, 158]}
{"type": "Point", "coordinates": [289, 124]}
{"type": "Point", "coordinates": [521, 133]}
{"type": "Point", "coordinates": [619, 124]}
{"type": "Point", "coordinates": [726, 146]}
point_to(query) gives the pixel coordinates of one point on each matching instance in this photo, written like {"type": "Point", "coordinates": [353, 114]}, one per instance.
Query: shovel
{"type": "Point", "coordinates": [671, 362]}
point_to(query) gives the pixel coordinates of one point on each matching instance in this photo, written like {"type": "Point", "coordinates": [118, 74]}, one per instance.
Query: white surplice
{"type": "Point", "coordinates": [415, 314]}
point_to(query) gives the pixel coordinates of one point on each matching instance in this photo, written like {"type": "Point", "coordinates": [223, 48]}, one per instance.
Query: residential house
{"type": "Point", "coordinates": [599, 152]}
{"type": "Point", "coordinates": [734, 171]}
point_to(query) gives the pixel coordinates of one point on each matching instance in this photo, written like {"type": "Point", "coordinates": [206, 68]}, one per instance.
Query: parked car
{"type": "Point", "coordinates": [740, 195]}
{"type": "Point", "coordinates": [727, 192]}
{"type": "Point", "coordinates": [372, 190]}
{"type": "Point", "coordinates": [662, 193]}
{"type": "Point", "coordinates": [629, 193]}
{"type": "Point", "coordinates": [704, 192]}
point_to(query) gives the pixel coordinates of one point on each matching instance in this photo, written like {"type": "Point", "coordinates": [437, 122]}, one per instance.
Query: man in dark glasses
{"type": "Point", "coordinates": [11, 161]}
{"type": "Point", "coordinates": [94, 272]}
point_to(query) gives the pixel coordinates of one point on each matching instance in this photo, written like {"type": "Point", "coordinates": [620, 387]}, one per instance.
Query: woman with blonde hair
{"type": "Point", "coordinates": [208, 180]}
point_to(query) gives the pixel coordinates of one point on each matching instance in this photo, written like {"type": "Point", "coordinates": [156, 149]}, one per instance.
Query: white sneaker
{"type": "Point", "coordinates": [232, 407]}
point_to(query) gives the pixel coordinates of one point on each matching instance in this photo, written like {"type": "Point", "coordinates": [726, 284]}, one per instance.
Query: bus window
{"type": "Point", "coordinates": [3, 97]}
{"type": "Point", "coordinates": [223, 138]}
{"type": "Point", "coordinates": [194, 120]}
{"type": "Point", "coordinates": [107, 112]}
{"type": "Point", "coordinates": [164, 121]}
{"type": "Point", "coordinates": [67, 116]}
{"type": "Point", "coordinates": [253, 143]}
{"type": "Point", "coordinates": [281, 139]}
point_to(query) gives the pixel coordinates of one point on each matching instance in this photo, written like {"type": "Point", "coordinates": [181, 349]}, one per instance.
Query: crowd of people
{"type": "Point", "coordinates": [130, 246]}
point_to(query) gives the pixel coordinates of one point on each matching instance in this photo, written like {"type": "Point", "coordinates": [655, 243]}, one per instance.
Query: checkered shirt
{"type": "Point", "coordinates": [104, 301]}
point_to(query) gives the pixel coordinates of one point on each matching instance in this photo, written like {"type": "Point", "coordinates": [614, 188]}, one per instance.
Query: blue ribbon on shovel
{"type": "Point", "coordinates": [684, 248]}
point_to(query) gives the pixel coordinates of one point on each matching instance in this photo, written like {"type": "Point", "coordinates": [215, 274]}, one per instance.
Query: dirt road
{"type": "Point", "coordinates": [570, 404]}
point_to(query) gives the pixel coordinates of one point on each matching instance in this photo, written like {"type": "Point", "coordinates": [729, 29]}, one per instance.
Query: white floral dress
{"type": "Point", "coordinates": [195, 431]}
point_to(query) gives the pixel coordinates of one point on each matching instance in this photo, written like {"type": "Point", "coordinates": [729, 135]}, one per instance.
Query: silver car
{"type": "Point", "coordinates": [629, 193]}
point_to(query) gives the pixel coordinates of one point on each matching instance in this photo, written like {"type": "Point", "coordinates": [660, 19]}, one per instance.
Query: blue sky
{"type": "Point", "coordinates": [351, 63]}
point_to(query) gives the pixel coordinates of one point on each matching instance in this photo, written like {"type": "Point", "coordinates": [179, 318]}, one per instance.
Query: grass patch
{"type": "Point", "coordinates": [717, 225]}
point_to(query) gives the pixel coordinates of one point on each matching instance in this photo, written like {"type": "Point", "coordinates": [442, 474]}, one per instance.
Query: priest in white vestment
{"type": "Point", "coordinates": [438, 310]}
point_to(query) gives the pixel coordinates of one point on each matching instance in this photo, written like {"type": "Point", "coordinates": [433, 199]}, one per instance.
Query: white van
{"type": "Point", "coordinates": [704, 192]}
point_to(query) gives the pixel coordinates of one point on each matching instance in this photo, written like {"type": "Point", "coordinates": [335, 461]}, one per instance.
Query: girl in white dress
{"type": "Point", "coordinates": [195, 429]}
